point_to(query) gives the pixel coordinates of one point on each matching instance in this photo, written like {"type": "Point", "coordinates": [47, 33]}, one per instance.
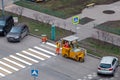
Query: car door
{"type": "Point", "coordinates": [24, 31]}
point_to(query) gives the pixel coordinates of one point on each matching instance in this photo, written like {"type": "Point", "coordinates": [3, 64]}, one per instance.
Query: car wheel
{"type": "Point", "coordinates": [27, 33]}
{"type": "Point", "coordinates": [4, 33]}
{"type": "Point", "coordinates": [20, 38]}
{"type": "Point", "coordinates": [113, 73]}
{"type": "Point", "coordinates": [81, 60]}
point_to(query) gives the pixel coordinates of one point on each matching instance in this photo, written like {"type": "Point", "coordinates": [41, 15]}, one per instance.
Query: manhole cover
{"type": "Point", "coordinates": [108, 12]}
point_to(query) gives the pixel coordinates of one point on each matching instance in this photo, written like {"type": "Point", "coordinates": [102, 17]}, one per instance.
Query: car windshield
{"type": "Point", "coordinates": [15, 30]}
{"type": "Point", "coordinates": [2, 23]}
{"type": "Point", "coordinates": [102, 65]}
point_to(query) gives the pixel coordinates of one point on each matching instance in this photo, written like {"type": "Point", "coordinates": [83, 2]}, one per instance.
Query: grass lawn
{"type": "Point", "coordinates": [61, 8]}
{"type": "Point", "coordinates": [111, 26]}
{"type": "Point", "coordinates": [99, 48]}
{"type": "Point", "coordinates": [41, 27]}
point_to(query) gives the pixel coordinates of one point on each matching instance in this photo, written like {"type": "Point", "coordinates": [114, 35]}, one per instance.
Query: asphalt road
{"type": "Point", "coordinates": [7, 48]}
{"type": "Point", "coordinates": [53, 68]}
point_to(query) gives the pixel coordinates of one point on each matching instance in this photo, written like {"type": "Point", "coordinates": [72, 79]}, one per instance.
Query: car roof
{"type": "Point", "coordinates": [107, 59]}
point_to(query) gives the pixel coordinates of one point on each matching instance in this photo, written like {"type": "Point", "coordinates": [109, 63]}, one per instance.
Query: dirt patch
{"type": "Point", "coordinates": [85, 20]}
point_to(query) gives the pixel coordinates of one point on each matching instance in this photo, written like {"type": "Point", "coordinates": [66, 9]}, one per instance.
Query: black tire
{"type": "Point", "coordinates": [65, 56]}
{"type": "Point", "coordinates": [4, 33]}
{"type": "Point", "coordinates": [81, 59]}
{"type": "Point", "coordinates": [20, 39]}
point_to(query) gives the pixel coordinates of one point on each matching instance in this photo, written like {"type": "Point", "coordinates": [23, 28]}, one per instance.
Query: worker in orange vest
{"type": "Point", "coordinates": [57, 48]}
{"type": "Point", "coordinates": [44, 39]}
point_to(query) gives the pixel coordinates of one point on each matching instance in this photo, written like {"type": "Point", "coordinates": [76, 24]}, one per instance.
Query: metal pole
{"type": "Point", "coordinates": [76, 29]}
{"type": "Point", "coordinates": [34, 78]}
{"type": "Point", "coordinates": [2, 8]}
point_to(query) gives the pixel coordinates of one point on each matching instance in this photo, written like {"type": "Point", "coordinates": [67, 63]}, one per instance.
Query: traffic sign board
{"type": "Point", "coordinates": [34, 73]}
{"type": "Point", "coordinates": [75, 20]}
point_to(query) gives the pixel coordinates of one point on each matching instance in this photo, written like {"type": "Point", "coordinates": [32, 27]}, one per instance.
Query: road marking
{"type": "Point", "coordinates": [39, 52]}
{"type": "Point", "coordinates": [14, 62]}
{"type": "Point", "coordinates": [2, 75]}
{"type": "Point", "coordinates": [48, 47]}
{"type": "Point", "coordinates": [90, 76]}
{"type": "Point", "coordinates": [20, 60]}
{"type": "Point", "coordinates": [45, 51]}
{"type": "Point", "coordinates": [5, 70]}
{"type": "Point", "coordinates": [51, 44]}
{"type": "Point", "coordinates": [33, 55]}
{"type": "Point", "coordinates": [27, 57]}
{"type": "Point", "coordinates": [5, 64]}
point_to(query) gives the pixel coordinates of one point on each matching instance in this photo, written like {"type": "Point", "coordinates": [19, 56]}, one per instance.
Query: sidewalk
{"type": "Point", "coordinates": [83, 31]}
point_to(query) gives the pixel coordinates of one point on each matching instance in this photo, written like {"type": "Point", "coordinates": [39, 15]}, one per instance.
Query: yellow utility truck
{"type": "Point", "coordinates": [70, 49]}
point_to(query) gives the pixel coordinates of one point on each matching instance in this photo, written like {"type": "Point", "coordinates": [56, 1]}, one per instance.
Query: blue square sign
{"type": "Point", "coordinates": [34, 73]}
{"type": "Point", "coordinates": [75, 20]}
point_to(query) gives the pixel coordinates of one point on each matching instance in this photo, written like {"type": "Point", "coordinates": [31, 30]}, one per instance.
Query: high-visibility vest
{"type": "Point", "coordinates": [58, 45]}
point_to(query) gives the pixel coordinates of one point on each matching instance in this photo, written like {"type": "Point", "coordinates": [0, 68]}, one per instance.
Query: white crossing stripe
{"type": "Point", "coordinates": [5, 70]}
{"type": "Point", "coordinates": [20, 60]}
{"type": "Point", "coordinates": [9, 66]}
{"type": "Point", "coordinates": [27, 57]}
{"type": "Point", "coordinates": [14, 62]}
{"type": "Point", "coordinates": [51, 44]}
{"type": "Point", "coordinates": [33, 55]}
{"type": "Point", "coordinates": [48, 47]}
{"type": "Point", "coordinates": [39, 52]}
{"type": "Point", "coordinates": [45, 51]}
{"type": "Point", "coordinates": [2, 75]}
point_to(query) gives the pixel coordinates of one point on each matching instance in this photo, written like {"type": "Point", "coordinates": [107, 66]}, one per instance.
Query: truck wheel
{"type": "Point", "coordinates": [65, 56]}
{"type": "Point", "coordinates": [81, 59]}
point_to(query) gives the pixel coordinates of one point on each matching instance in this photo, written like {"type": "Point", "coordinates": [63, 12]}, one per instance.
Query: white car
{"type": "Point", "coordinates": [108, 65]}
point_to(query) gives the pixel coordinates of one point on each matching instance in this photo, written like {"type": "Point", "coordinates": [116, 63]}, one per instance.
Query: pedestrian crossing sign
{"type": "Point", "coordinates": [75, 20]}
{"type": "Point", "coordinates": [34, 73]}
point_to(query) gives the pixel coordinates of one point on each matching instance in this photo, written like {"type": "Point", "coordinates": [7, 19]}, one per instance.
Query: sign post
{"type": "Point", "coordinates": [53, 35]}
{"type": "Point", "coordinates": [75, 21]}
{"type": "Point", "coordinates": [34, 73]}
{"type": "Point", "coordinates": [2, 8]}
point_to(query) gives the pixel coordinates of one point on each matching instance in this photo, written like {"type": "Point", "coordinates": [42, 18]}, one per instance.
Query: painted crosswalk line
{"type": "Point", "coordinates": [33, 55]}
{"type": "Point", "coordinates": [5, 64]}
{"type": "Point", "coordinates": [2, 75]}
{"type": "Point", "coordinates": [53, 45]}
{"type": "Point", "coordinates": [20, 65]}
{"type": "Point", "coordinates": [38, 52]}
{"type": "Point", "coordinates": [48, 47]}
{"type": "Point", "coordinates": [27, 57]}
{"type": "Point", "coordinates": [20, 60]}
{"type": "Point", "coordinates": [5, 70]}
{"type": "Point", "coordinates": [46, 51]}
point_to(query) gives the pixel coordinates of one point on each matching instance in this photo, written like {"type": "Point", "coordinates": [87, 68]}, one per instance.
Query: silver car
{"type": "Point", "coordinates": [108, 65]}
{"type": "Point", "coordinates": [17, 33]}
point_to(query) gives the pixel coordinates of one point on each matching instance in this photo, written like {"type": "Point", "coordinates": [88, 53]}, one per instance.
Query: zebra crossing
{"type": "Point", "coordinates": [20, 60]}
